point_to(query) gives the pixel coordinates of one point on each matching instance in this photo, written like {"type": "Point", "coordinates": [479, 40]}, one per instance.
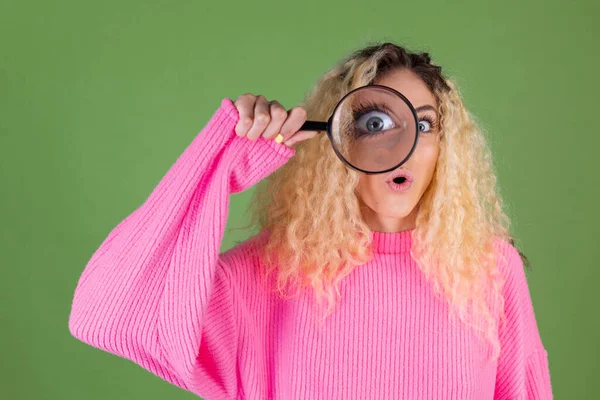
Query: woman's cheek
{"type": "Point", "coordinates": [428, 160]}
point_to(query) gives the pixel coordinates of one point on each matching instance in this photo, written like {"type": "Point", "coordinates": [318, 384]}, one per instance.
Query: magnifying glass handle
{"type": "Point", "coordinates": [314, 126]}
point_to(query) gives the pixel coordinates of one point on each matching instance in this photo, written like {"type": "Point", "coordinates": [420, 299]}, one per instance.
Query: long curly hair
{"type": "Point", "coordinates": [310, 210]}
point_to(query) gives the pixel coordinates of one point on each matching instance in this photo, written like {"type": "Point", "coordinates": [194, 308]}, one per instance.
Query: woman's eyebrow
{"type": "Point", "coordinates": [426, 107]}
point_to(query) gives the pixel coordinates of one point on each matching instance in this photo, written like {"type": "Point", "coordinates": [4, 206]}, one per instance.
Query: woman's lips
{"type": "Point", "coordinates": [399, 187]}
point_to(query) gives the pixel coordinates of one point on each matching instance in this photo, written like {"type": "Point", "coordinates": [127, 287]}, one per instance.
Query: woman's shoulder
{"type": "Point", "coordinates": [512, 270]}
{"type": "Point", "coordinates": [508, 252]}
{"type": "Point", "coordinates": [243, 258]}
{"type": "Point", "coordinates": [245, 249]}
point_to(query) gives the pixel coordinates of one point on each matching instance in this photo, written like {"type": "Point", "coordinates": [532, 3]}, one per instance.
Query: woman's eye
{"type": "Point", "coordinates": [375, 121]}
{"type": "Point", "coordinates": [424, 126]}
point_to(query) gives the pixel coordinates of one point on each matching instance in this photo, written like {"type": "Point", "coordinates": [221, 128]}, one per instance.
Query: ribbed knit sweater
{"type": "Point", "coordinates": [159, 293]}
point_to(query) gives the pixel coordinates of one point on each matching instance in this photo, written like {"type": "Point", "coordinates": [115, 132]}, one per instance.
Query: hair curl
{"type": "Point", "coordinates": [316, 234]}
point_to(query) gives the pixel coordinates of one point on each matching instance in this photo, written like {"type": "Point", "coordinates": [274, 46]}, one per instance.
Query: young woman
{"type": "Point", "coordinates": [426, 295]}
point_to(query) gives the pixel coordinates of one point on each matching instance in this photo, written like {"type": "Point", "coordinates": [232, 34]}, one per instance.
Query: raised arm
{"type": "Point", "coordinates": [144, 293]}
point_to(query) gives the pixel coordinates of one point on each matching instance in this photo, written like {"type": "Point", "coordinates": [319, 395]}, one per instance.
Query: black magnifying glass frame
{"type": "Point", "coordinates": [326, 127]}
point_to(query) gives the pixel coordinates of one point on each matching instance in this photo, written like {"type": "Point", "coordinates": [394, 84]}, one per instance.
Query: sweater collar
{"type": "Point", "coordinates": [392, 242]}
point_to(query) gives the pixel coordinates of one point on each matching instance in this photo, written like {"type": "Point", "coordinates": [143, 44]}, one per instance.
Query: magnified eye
{"type": "Point", "coordinates": [374, 121]}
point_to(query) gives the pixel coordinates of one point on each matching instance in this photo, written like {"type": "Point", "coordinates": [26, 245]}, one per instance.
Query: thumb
{"type": "Point", "coordinates": [300, 136]}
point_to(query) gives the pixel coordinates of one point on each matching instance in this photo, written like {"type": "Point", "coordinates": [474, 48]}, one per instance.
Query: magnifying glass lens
{"type": "Point", "coordinates": [374, 129]}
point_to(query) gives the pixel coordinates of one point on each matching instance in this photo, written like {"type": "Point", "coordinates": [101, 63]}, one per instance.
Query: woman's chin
{"type": "Point", "coordinates": [395, 212]}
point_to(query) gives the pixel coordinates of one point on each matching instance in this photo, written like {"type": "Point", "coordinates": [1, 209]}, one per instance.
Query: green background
{"type": "Point", "coordinates": [99, 98]}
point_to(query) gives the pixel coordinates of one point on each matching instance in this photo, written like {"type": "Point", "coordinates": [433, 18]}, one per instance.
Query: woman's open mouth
{"type": "Point", "coordinates": [400, 183]}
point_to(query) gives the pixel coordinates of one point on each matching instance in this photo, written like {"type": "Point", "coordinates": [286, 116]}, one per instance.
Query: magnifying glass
{"type": "Point", "coordinates": [373, 129]}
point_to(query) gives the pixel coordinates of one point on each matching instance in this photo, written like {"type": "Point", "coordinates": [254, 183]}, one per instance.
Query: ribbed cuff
{"type": "Point", "coordinates": [250, 160]}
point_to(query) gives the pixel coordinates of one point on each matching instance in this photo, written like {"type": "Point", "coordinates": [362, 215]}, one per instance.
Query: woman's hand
{"type": "Point", "coordinates": [259, 117]}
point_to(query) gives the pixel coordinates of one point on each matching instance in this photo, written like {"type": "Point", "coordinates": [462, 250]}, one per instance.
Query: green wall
{"type": "Point", "coordinates": [98, 99]}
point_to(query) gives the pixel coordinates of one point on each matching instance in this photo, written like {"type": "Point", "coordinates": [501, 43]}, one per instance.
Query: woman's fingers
{"type": "Point", "coordinates": [278, 118]}
{"type": "Point", "coordinates": [262, 117]}
{"type": "Point", "coordinates": [300, 136]}
{"type": "Point", "coordinates": [245, 106]}
{"type": "Point", "coordinates": [259, 117]}
{"type": "Point", "coordinates": [295, 120]}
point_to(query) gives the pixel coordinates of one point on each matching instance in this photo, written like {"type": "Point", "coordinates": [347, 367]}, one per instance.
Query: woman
{"type": "Point", "coordinates": [426, 295]}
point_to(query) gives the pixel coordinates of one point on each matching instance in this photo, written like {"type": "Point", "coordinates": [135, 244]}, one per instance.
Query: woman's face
{"type": "Point", "coordinates": [384, 208]}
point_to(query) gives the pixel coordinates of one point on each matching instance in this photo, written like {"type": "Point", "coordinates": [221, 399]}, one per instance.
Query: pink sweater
{"type": "Point", "coordinates": [158, 292]}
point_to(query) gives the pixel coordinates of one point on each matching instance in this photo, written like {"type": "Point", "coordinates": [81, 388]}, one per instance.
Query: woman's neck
{"type": "Point", "coordinates": [382, 223]}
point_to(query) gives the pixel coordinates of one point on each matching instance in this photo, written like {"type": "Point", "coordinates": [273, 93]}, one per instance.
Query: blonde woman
{"type": "Point", "coordinates": [400, 285]}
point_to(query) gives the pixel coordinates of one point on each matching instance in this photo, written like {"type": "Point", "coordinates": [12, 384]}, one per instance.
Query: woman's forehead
{"type": "Point", "coordinates": [409, 84]}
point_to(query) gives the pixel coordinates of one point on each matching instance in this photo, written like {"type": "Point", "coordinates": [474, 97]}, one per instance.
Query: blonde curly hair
{"type": "Point", "coordinates": [310, 210]}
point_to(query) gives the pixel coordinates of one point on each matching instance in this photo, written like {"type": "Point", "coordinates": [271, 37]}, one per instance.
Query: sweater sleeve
{"type": "Point", "coordinates": [523, 371]}
{"type": "Point", "coordinates": [155, 291]}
